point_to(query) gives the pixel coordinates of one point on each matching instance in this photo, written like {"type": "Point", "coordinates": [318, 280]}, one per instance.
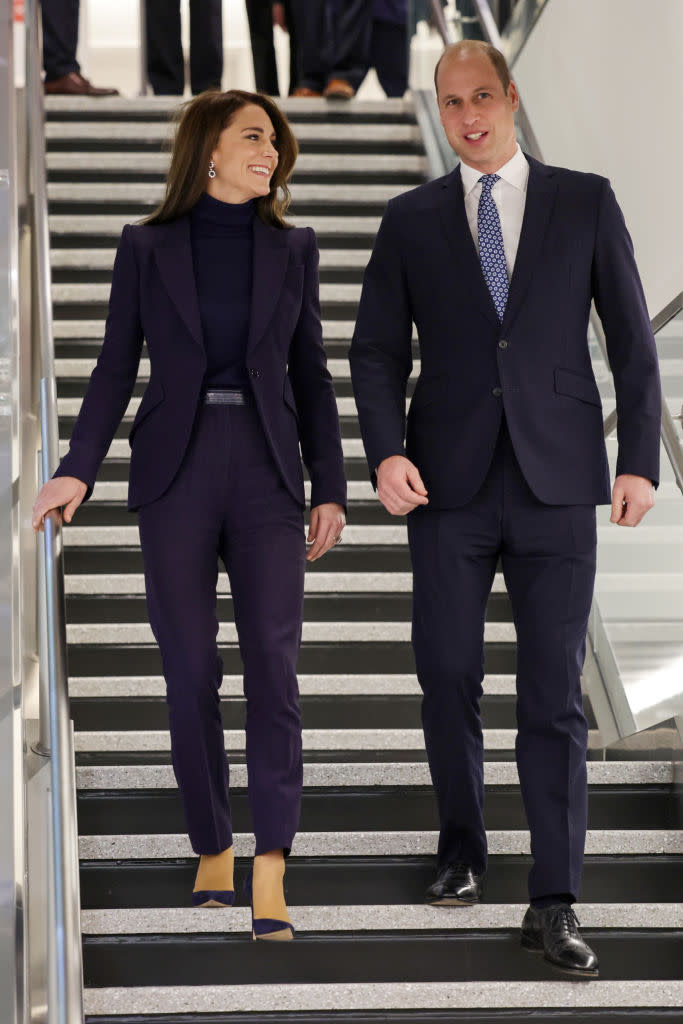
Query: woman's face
{"type": "Point", "coordinates": [245, 157]}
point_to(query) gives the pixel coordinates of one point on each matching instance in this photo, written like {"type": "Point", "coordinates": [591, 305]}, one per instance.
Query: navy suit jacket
{"type": "Point", "coordinates": [153, 296]}
{"type": "Point", "coordinates": [574, 247]}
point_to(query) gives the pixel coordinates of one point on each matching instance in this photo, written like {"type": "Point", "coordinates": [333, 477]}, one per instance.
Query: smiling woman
{"type": "Point", "coordinates": [225, 294]}
{"type": "Point", "coordinates": [245, 145]}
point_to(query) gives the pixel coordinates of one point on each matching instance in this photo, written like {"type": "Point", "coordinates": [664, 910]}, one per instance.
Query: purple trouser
{"type": "Point", "coordinates": [228, 501]}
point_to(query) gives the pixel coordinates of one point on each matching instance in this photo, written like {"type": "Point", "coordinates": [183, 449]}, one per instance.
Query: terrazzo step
{"type": "Point", "coordinates": [346, 166]}
{"type": "Point", "coordinates": [99, 293]}
{"type": "Point", "coordinates": [120, 886]}
{"type": "Point", "coordinates": [81, 368]}
{"type": "Point", "coordinates": [404, 774]}
{"type": "Point", "coordinates": [63, 226]}
{"type": "Point", "coordinates": [103, 259]}
{"type": "Point", "coordinates": [376, 844]}
{"type": "Point", "coordinates": [362, 684]}
{"type": "Point", "coordinates": [324, 739]}
{"type": "Point", "coordinates": [447, 955]}
{"type": "Point", "coordinates": [396, 999]}
{"type": "Point", "coordinates": [388, 584]}
{"type": "Point", "coordinates": [94, 329]}
{"type": "Point", "coordinates": [146, 134]}
{"type": "Point", "coordinates": [362, 809]}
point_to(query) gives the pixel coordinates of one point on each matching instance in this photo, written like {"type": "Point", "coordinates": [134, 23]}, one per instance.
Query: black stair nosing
{"type": "Point", "coordinates": [84, 275]}
{"type": "Point", "coordinates": [75, 387]}
{"type": "Point", "coordinates": [302, 176]}
{"type": "Point", "coordinates": [79, 310]}
{"type": "Point", "coordinates": [347, 606]}
{"type": "Point", "coordinates": [128, 559]}
{"type": "Point", "coordinates": [392, 880]}
{"type": "Point", "coordinates": [368, 656]}
{"type": "Point", "coordinates": [325, 115]}
{"type": "Point", "coordinates": [335, 147]}
{"type": "Point", "coordinates": [341, 756]}
{"type": "Point", "coordinates": [607, 1015]}
{"type": "Point", "coordinates": [319, 711]}
{"type": "Point", "coordinates": [392, 809]}
{"type": "Point", "coordinates": [322, 958]}
{"type": "Point", "coordinates": [333, 711]}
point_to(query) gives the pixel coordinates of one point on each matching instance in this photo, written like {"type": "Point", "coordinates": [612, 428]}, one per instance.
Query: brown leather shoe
{"type": "Point", "coordinates": [304, 93]}
{"type": "Point", "coordinates": [338, 89]}
{"type": "Point", "coordinates": [74, 84]}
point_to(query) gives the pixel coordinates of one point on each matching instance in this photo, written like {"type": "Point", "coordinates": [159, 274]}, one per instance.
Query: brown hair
{"type": "Point", "coordinates": [467, 46]}
{"type": "Point", "coordinates": [200, 123]}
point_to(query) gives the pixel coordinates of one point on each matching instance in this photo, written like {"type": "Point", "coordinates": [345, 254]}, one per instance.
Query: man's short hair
{"type": "Point", "coordinates": [467, 46]}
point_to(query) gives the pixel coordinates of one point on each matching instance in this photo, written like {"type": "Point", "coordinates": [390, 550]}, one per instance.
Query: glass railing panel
{"type": "Point", "coordinates": [639, 585]}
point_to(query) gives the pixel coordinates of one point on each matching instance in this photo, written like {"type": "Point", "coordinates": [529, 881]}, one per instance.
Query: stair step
{"type": "Point", "coordinates": [444, 995]}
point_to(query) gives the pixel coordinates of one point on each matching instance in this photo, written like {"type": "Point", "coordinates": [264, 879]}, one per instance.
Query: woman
{"type": "Point", "coordinates": [226, 296]}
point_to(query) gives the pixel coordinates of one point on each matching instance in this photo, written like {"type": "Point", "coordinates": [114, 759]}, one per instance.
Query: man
{"type": "Point", "coordinates": [60, 40]}
{"type": "Point", "coordinates": [165, 61]}
{"type": "Point", "coordinates": [341, 39]}
{"type": "Point", "coordinates": [496, 264]}
{"type": "Point", "coordinates": [262, 16]}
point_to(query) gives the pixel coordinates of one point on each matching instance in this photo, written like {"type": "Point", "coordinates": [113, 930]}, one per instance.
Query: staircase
{"type": "Point", "coordinates": [367, 949]}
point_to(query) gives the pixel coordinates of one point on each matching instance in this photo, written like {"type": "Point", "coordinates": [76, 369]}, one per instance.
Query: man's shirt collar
{"type": "Point", "coordinates": [515, 172]}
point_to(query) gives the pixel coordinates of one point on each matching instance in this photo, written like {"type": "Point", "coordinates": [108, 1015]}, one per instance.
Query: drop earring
{"type": "Point", "coordinates": [212, 173]}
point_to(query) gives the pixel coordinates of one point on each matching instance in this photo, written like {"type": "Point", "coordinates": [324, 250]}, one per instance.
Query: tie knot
{"type": "Point", "coordinates": [488, 181]}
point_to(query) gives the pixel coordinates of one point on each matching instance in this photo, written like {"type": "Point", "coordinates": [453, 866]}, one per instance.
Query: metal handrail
{"type": "Point", "coordinates": [65, 1000]}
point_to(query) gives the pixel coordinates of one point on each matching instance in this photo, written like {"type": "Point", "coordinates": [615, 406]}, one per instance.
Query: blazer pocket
{"type": "Point", "coordinates": [288, 396]}
{"type": "Point", "coordinates": [154, 394]}
{"type": "Point", "coordinates": [577, 385]}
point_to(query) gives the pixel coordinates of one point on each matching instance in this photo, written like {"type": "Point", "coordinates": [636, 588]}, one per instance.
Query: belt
{"type": "Point", "coordinates": [227, 396]}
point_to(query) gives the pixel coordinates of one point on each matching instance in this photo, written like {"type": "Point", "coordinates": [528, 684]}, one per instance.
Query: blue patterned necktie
{"type": "Point", "coordinates": [491, 250]}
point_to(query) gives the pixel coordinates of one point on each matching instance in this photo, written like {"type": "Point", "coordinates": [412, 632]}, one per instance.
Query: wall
{"type": "Point", "coordinates": [602, 83]}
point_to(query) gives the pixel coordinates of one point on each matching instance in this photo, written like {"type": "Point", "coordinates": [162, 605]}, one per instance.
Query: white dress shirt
{"type": "Point", "coordinates": [509, 195]}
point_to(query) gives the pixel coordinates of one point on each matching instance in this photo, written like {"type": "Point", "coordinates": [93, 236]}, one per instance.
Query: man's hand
{"type": "Point", "coordinates": [62, 491]}
{"type": "Point", "coordinates": [327, 523]}
{"type": "Point", "coordinates": [632, 497]}
{"type": "Point", "coordinates": [399, 485]}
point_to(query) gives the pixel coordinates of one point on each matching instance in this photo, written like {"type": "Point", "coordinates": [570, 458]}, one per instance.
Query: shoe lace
{"type": "Point", "coordinates": [565, 920]}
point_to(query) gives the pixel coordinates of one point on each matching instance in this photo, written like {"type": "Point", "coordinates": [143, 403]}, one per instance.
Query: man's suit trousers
{"type": "Point", "coordinates": [547, 553]}
{"type": "Point", "coordinates": [165, 62]}
{"type": "Point", "coordinates": [228, 501]}
{"type": "Point", "coordinates": [60, 37]}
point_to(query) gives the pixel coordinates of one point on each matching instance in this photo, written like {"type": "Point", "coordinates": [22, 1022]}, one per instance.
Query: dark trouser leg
{"type": "Point", "coordinates": [180, 535]}
{"type": "Point", "coordinates": [314, 39]}
{"type": "Point", "coordinates": [165, 64]}
{"type": "Point", "coordinates": [454, 554]}
{"type": "Point", "coordinates": [60, 37]}
{"type": "Point", "coordinates": [389, 56]}
{"type": "Point", "coordinates": [264, 552]}
{"type": "Point", "coordinates": [352, 35]}
{"type": "Point", "coordinates": [260, 17]}
{"type": "Point", "coordinates": [206, 45]}
{"type": "Point", "coordinates": [294, 48]}
{"type": "Point", "coordinates": [549, 564]}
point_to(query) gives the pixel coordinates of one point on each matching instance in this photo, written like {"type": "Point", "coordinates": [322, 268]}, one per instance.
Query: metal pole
{"type": "Point", "coordinates": [42, 747]}
{"type": "Point", "coordinates": [143, 47]}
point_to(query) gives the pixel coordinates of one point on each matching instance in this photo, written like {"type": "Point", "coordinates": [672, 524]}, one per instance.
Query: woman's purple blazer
{"type": "Point", "coordinates": [153, 296]}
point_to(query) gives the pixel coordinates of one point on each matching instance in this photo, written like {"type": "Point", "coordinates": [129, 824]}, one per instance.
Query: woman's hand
{"type": "Point", "coordinates": [327, 523]}
{"type": "Point", "coordinates": [61, 491]}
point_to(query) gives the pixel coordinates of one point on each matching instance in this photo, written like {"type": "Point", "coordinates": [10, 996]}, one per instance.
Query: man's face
{"type": "Point", "coordinates": [476, 113]}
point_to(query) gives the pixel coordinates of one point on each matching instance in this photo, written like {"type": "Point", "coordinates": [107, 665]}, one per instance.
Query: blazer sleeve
{"type": "Point", "coordinates": [380, 353]}
{"type": "Point", "coordinates": [319, 432]}
{"type": "Point", "coordinates": [621, 306]}
{"type": "Point", "coordinates": [113, 378]}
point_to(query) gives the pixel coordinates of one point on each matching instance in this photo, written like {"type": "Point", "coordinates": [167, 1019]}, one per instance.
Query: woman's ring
{"type": "Point", "coordinates": [337, 540]}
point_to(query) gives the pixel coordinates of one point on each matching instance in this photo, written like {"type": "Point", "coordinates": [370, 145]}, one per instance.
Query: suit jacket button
{"type": "Point", "coordinates": [502, 344]}
{"type": "Point", "coordinates": [497, 392]}
{"type": "Point", "coordinates": [254, 372]}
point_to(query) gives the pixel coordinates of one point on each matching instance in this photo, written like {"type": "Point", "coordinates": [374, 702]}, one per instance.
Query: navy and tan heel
{"type": "Point", "coordinates": [266, 927]}
{"type": "Point", "coordinates": [213, 898]}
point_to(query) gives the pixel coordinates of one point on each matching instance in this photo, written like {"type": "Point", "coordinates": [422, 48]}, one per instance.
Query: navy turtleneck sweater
{"type": "Point", "coordinates": [222, 248]}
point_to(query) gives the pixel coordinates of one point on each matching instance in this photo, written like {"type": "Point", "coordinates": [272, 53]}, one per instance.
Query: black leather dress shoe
{"type": "Point", "coordinates": [554, 932]}
{"type": "Point", "coordinates": [456, 885]}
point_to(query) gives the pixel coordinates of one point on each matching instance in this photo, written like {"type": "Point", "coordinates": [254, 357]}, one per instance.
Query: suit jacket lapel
{"type": "Point", "coordinates": [540, 199]}
{"type": "Point", "coordinates": [457, 229]}
{"type": "Point", "coordinates": [271, 257]}
{"type": "Point", "coordinates": [174, 260]}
